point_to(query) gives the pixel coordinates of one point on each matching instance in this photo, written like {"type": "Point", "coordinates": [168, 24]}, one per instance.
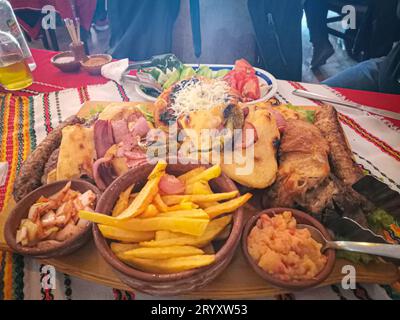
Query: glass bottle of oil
{"type": "Point", "coordinates": [9, 24]}
{"type": "Point", "coordinates": [15, 73]}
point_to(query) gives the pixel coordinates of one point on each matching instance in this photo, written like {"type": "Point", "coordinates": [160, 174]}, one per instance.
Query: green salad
{"type": "Point", "coordinates": [167, 77]}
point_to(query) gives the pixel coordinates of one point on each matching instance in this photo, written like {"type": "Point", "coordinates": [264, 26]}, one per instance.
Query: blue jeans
{"type": "Point", "coordinates": [363, 76]}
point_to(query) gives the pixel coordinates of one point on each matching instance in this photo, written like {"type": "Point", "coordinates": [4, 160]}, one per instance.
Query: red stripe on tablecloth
{"type": "Point", "coordinates": [379, 100]}
{"type": "Point", "coordinates": [9, 147]}
{"type": "Point", "coordinates": [351, 123]}
{"type": "Point", "coordinates": [384, 147]}
{"type": "Point", "coordinates": [390, 102]}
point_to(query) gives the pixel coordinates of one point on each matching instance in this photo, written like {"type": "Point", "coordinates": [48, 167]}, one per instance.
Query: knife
{"type": "Point", "coordinates": [353, 105]}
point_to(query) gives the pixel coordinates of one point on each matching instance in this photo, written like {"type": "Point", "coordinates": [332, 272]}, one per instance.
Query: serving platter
{"type": "Point", "coordinates": [268, 83]}
{"type": "Point", "coordinates": [238, 281]}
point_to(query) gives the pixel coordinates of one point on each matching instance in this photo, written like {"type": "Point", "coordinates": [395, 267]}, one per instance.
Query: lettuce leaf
{"type": "Point", "coordinates": [146, 113]}
{"type": "Point", "coordinates": [308, 115]}
{"type": "Point", "coordinates": [355, 257]}
{"type": "Point", "coordinates": [380, 220]}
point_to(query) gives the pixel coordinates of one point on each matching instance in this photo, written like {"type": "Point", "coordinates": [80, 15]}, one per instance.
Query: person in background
{"type": "Point", "coordinates": [378, 74]}
{"type": "Point", "coordinates": [316, 13]}
{"type": "Point", "coordinates": [217, 32]}
{"type": "Point", "coordinates": [141, 29]}
{"type": "Point", "coordinates": [277, 27]}
{"type": "Point", "coordinates": [100, 22]}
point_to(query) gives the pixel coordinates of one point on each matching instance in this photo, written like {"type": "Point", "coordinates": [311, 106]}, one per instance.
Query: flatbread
{"type": "Point", "coordinates": [255, 166]}
{"type": "Point", "coordinates": [77, 152]}
{"type": "Point", "coordinates": [265, 166]}
{"type": "Point", "coordinates": [118, 111]}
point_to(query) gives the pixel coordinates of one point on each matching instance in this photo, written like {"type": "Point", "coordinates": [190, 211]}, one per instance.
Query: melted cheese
{"type": "Point", "coordinates": [202, 95]}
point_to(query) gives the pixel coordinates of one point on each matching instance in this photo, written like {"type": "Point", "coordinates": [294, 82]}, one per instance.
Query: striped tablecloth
{"type": "Point", "coordinates": [27, 119]}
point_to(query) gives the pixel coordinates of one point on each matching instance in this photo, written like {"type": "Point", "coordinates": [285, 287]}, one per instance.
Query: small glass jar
{"type": "Point", "coordinates": [78, 50]}
{"type": "Point", "coordinates": [14, 69]}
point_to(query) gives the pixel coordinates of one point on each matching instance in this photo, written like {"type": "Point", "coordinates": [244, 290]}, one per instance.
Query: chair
{"type": "Point", "coordinates": [376, 27]}
{"type": "Point", "coordinates": [30, 18]}
{"type": "Point", "coordinates": [349, 36]}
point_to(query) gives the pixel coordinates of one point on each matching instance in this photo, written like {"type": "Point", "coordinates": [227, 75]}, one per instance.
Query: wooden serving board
{"type": "Point", "coordinates": [238, 281]}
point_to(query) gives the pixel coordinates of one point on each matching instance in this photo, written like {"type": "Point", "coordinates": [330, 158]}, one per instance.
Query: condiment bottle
{"type": "Point", "coordinates": [14, 70]}
{"type": "Point", "coordinates": [9, 24]}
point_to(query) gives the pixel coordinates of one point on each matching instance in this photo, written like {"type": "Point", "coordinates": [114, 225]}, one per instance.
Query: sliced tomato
{"type": "Point", "coordinates": [244, 80]}
{"type": "Point", "coordinates": [251, 88]}
{"type": "Point", "coordinates": [240, 81]}
{"type": "Point", "coordinates": [244, 66]}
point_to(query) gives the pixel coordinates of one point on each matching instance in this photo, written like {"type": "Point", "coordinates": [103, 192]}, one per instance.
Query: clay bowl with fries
{"type": "Point", "coordinates": [173, 228]}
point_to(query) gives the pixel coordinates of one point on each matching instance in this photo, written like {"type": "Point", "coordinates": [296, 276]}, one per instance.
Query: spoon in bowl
{"type": "Point", "coordinates": [378, 249]}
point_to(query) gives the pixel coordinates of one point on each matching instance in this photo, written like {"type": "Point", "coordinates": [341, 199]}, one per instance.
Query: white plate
{"type": "Point", "coordinates": [268, 83]}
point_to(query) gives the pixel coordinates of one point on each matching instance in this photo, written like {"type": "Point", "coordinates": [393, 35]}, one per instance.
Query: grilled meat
{"type": "Point", "coordinates": [304, 165]}
{"type": "Point", "coordinates": [340, 156]}
{"type": "Point", "coordinates": [30, 175]}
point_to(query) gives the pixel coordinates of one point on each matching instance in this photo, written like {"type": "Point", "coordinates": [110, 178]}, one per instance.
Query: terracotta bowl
{"type": "Point", "coordinates": [95, 69]}
{"type": "Point", "coordinates": [301, 218]}
{"type": "Point", "coordinates": [166, 284]}
{"type": "Point", "coordinates": [21, 211]}
{"type": "Point", "coordinates": [72, 66]}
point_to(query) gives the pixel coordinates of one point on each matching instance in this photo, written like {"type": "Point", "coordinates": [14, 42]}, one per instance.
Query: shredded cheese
{"type": "Point", "coordinates": [201, 95]}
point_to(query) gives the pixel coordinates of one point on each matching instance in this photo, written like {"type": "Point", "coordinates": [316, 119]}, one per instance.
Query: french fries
{"type": "Point", "coordinates": [198, 187]}
{"type": "Point", "coordinates": [117, 247]}
{"type": "Point", "coordinates": [193, 214]}
{"type": "Point", "coordinates": [169, 265]}
{"type": "Point", "coordinates": [199, 198]}
{"type": "Point", "coordinates": [162, 253]}
{"type": "Point", "coordinates": [201, 187]}
{"type": "Point", "coordinates": [115, 233]}
{"type": "Point", "coordinates": [123, 202]}
{"type": "Point", "coordinates": [163, 233]}
{"type": "Point", "coordinates": [99, 218]}
{"type": "Point", "coordinates": [207, 175]}
{"type": "Point", "coordinates": [132, 197]}
{"type": "Point", "coordinates": [190, 174]}
{"type": "Point", "coordinates": [150, 212]}
{"type": "Point", "coordinates": [195, 227]}
{"type": "Point", "coordinates": [159, 203]}
{"type": "Point", "coordinates": [143, 199]}
{"type": "Point", "coordinates": [228, 206]}
{"type": "Point", "coordinates": [212, 230]}
{"type": "Point", "coordinates": [183, 206]}
{"type": "Point", "coordinates": [159, 169]}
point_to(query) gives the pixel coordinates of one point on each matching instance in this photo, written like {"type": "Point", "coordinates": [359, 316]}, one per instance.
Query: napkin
{"type": "Point", "coordinates": [114, 70]}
